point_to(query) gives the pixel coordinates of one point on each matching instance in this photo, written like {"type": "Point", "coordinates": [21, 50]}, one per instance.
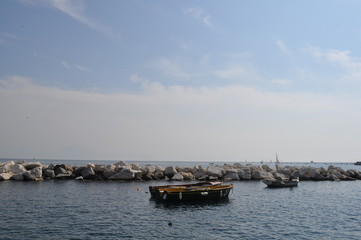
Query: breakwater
{"type": "Point", "coordinates": [37, 171]}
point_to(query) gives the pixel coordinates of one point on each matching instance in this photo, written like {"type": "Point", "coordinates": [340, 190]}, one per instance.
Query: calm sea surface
{"type": "Point", "coordinates": [122, 210]}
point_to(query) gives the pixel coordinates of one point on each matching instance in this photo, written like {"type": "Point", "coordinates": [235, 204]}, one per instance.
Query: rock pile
{"type": "Point", "coordinates": [36, 171]}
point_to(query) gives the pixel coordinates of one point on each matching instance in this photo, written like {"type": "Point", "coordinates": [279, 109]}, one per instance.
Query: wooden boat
{"type": "Point", "coordinates": [191, 192]}
{"type": "Point", "coordinates": [282, 182]}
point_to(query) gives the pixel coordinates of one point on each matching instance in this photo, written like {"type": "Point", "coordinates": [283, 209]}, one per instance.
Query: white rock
{"type": "Point", "coordinates": [211, 178]}
{"type": "Point", "coordinates": [33, 174]}
{"type": "Point", "coordinates": [32, 165]}
{"type": "Point", "coordinates": [258, 175]}
{"type": "Point", "coordinates": [227, 166]}
{"type": "Point", "coordinates": [99, 168]}
{"type": "Point", "coordinates": [5, 168]}
{"type": "Point", "coordinates": [109, 173]}
{"type": "Point", "coordinates": [109, 170]}
{"type": "Point", "coordinates": [120, 164]}
{"type": "Point", "coordinates": [336, 174]}
{"type": "Point", "coordinates": [352, 173]}
{"type": "Point", "coordinates": [149, 169]}
{"type": "Point", "coordinates": [184, 169]}
{"type": "Point", "coordinates": [267, 168]}
{"type": "Point", "coordinates": [199, 174]}
{"type": "Point", "coordinates": [238, 165]}
{"type": "Point", "coordinates": [203, 178]}
{"type": "Point", "coordinates": [87, 172]}
{"type": "Point", "coordinates": [109, 167]}
{"type": "Point", "coordinates": [255, 168]}
{"type": "Point", "coordinates": [315, 174]}
{"type": "Point", "coordinates": [5, 176]}
{"type": "Point", "coordinates": [305, 172]}
{"type": "Point", "coordinates": [215, 171]}
{"type": "Point", "coordinates": [135, 166]}
{"type": "Point", "coordinates": [231, 170]}
{"type": "Point", "coordinates": [279, 175]}
{"type": "Point", "coordinates": [92, 165]}
{"type": "Point", "coordinates": [37, 172]}
{"type": "Point", "coordinates": [284, 171]}
{"type": "Point", "coordinates": [231, 176]}
{"type": "Point", "coordinates": [49, 174]}
{"type": "Point", "coordinates": [64, 176]}
{"type": "Point", "coordinates": [126, 174]}
{"type": "Point", "coordinates": [170, 171]}
{"type": "Point", "coordinates": [18, 177]}
{"type": "Point", "coordinates": [28, 176]}
{"type": "Point", "coordinates": [120, 176]}
{"type": "Point", "coordinates": [245, 173]}
{"type": "Point", "coordinates": [159, 169]}
{"type": "Point", "coordinates": [17, 169]}
{"type": "Point", "coordinates": [197, 168]}
{"type": "Point", "coordinates": [177, 177]}
{"type": "Point", "coordinates": [187, 175]}
{"type": "Point", "coordinates": [158, 174]}
{"type": "Point", "coordinates": [20, 162]}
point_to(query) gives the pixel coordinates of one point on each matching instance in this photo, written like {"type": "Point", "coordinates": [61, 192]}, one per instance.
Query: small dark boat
{"type": "Point", "coordinates": [282, 182]}
{"type": "Point", "coordinates": [191, 192]}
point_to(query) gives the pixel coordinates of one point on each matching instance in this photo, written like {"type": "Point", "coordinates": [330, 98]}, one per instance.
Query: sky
{"type": "Point", "coordinates": [181, 80]}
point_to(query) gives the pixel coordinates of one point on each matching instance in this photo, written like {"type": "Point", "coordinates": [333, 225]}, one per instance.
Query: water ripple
{"type": "Point", "coordinates": [116, 210]}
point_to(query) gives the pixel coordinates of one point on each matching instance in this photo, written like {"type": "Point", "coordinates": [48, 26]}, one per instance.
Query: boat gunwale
{"type": "Point", "coordinates": [196, 189]}
{"type": "Point", "coordinates": [199, 184]}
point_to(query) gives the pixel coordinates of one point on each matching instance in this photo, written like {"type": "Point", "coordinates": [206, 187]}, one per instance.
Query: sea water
{"type": "Point", "coordinates": [72, 209]}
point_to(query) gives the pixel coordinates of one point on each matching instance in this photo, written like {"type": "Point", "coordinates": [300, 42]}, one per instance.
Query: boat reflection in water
{"type": "Point", "coordinates": [203, 191]}
{"type": "Point", "coordinates": [185, 206]}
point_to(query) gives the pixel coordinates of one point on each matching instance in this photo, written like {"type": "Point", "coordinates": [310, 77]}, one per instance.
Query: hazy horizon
{"type": "Point", "coordinates": [165, 161]}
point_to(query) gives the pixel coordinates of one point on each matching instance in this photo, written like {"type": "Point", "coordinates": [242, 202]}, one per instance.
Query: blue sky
{"type": "Point", "coordinates": [180, 80]}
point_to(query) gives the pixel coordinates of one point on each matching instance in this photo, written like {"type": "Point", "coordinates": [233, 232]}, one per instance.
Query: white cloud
{"type": "Point", "coordinates": [282, 81]}
{"type": "Point", "coordinates": [186, 44]}
{"type": "Point", "coordinates": [232, 73]}
{"type": "Point", "coordinates": [343, 58]}
{"type": "Point", "coordinates": [200, 15]}
{"type": "Point", "coordinates": [7, 38]}
{"type": "Point", "coordinates": [65, 64]}
{"type": "Point", "coordinates": [238, 66]}
{"type": "Point", "coordinates": [9, 35]}
{"type": "Point", "coordinates": [175, 122]}
{"type": "Point", "coordinates": [170, 67]}
{"type": "Point", "coordinates": [351, 65]}
{"type": "Point", "coordinates": [70, 66]}
{"type": "Point", "coordinates": [237, 55]}
{"type": "Point", "coordinates": [282, 46]}
{"type": "Point", "coordinates": [81, 68]}
{"type": "Point", "coordinates": [75, 9]}
{"type": "Point", "coordinates": [135, 78]}
{"type": "Point", "coordinates": [236, 72]}
{"type": "Point", "coordinates": [15, 82]}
